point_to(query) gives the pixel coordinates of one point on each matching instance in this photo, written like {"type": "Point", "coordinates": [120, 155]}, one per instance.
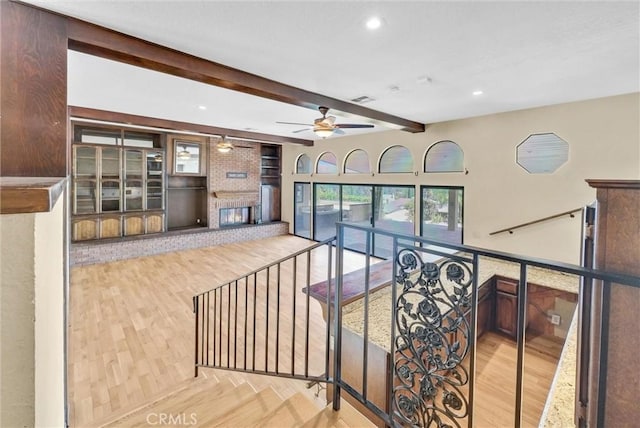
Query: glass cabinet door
{"type": "Point", "coordinates": [85, 162]}
{"type": "Point", "coordinates": [155, 174]}
{"type": "Point", "coordinates": [133, 164]}
{"type": "Point", "coordinates": [110, 195]}
{"type": "Point", "coordinates": [133, 180]}
{"type": "Point", "coordinates": [133, 195]}
{"type": "Point", "coordinates": [110, 163]}
{"type": "Point", "coordinates": [84, 195]}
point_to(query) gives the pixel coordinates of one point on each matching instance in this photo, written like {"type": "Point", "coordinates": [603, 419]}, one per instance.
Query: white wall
{"type": "Point", "coordinates": [32, 319]}
{"type": "Point", "coordinates": [49, 326]}
{"type": "Point", "coordinates": [604, 142]}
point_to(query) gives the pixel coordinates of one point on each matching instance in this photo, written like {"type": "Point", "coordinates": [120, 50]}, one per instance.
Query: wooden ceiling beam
{"type": "Point", "coordinates": [173, 125]}
{"type": "Point", "coordinates": [103, 42]}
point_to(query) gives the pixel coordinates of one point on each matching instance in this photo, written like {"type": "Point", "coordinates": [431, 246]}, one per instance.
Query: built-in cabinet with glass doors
{"type": "Point", "coordinates": [117, 190]}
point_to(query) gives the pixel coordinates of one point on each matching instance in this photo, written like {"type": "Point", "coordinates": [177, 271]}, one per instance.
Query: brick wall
{"type": "Point", "coordinates": [111, 250]}
{"type": "Point", "coordinates": [245, 157]}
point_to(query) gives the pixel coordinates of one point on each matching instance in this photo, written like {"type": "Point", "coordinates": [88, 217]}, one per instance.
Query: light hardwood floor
{"type": "Point", "coordinates": [131, 322]}
{"type": "Point", "coordinates": [131, 333]}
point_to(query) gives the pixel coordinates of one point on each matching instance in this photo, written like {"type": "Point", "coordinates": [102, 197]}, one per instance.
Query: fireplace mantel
{"type": "Point", "coordinates": [227, 194]}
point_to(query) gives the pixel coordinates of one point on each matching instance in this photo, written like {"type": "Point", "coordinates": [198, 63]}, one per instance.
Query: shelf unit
{"type": "Point", "coordinates": [117, 191]}
{"type": "Point", "coordinates": [270, 167]}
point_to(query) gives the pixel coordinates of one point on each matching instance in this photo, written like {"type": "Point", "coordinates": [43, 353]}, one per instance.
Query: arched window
{"type": "Point", "coordinates": [396, 159]}
{"type": "Point", "coordinates": [357, 162]}
{"type": "Point", "coordinates": [444, 156]}
{"type": "Point", "coordinates": [303, 164]}
{"type": "Point", "coordinates": [327, 164]}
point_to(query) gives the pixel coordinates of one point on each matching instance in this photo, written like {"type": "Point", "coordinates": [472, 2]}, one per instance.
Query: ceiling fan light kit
{"type": "Point", "coordinates": [323, 132]}
{"type": "Point", "coordinates": [325, 126]}
{"type": "Point", "coordinates": [224, 146]}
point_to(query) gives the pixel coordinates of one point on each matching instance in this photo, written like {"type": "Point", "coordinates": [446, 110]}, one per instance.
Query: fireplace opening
{"type": "Point", "coordinates": [234, 216]}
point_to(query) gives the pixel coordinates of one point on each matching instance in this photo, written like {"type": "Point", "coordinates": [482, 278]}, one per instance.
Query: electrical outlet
{"type": "Point", "coordinates": [555, 319]}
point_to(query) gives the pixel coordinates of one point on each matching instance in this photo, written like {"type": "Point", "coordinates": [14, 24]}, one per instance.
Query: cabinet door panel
{"type": "Point", "coordinates": [506, 313]}
{"type": "Point", "coordinates": [85, 229]}
{"type": "Point", "coordinates": [110, 227]}
{"type": "Point", "coordinates": [133, 225]}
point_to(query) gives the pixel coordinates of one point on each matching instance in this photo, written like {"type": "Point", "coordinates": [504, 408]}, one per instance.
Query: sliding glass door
{"type": "Point", "coordinates": [302, 207]}
{"type": "Point", "coordinates": [326, 210]}
{"type": "Point", "coordinates": [356, 208]}
{"type": "Point", "coordinates": [393, 210]}
{"type": "Point", "coordinates": [441, 213]}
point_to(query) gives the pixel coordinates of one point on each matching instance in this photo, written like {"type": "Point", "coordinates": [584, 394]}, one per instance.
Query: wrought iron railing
{"type": "Point", "coordinates": [238, 324]}
{"type": "Point", "coordinates": [433, 327]}
{"type": "Point", "coordinates": [429, 325]}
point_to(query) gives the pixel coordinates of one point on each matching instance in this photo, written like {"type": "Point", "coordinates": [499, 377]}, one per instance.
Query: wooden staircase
{"type": "Point", "coordinates": [213, 402]}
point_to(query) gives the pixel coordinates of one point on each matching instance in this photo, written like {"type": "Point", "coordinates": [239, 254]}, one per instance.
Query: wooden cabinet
{"type": "Point", "coordinates": [507, 306]}
{"type": "Point", "coordinates": [110, 180]}
{"type": "Point", "coordinates": [485, 307]}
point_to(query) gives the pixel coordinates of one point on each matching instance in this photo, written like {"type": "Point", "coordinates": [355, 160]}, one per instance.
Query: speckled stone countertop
{"type": "Point", "coordinates": [560, 403]}
{"type": "Point", "coordinates": [380, 301]}
{"type": "Point", "coordinates": [559, 408]}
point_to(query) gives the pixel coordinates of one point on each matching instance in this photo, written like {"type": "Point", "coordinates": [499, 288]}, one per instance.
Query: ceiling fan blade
{"type": "Point", "coordinates": [300, 130]}
{"type": "Point", "coordinates": [330, 119]}
{"type": "Point", "coordinates": [353, 125]}
{"type": "Point", "coordinates": [294, 123]}
{"type": "Point", "coordinates": [338, 131]}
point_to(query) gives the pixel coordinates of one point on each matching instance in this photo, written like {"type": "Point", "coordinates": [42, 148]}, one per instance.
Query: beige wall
{"type": "Point", "coordinates": [32, 289]}
{"type": "Point", "coordinates": [604, 142]}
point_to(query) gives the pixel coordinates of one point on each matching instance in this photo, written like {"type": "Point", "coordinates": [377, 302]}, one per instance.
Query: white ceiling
{"type": "Point", "coordinates": [520, 54]}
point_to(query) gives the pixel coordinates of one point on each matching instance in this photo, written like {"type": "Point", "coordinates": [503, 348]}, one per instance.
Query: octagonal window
{"type": "Point", "coordinates": [542, 153]}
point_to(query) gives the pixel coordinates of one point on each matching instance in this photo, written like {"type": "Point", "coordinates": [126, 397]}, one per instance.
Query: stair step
{"type": "Point", "coordinates": [189, 387]}
{"type": "Point", "coordinates": [346, 417]}
{"type": "Point", "coordinates": [293, 412]}
{"type": "Point", "coordinates": [190, 405]}
{"type": "Point", "coordinates": [248, 412]}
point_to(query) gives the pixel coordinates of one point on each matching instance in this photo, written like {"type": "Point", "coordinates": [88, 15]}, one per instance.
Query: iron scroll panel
{"type": "Point", "coordinates": [432, 341]}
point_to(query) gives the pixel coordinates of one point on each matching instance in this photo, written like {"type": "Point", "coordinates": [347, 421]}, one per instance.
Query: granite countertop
{"type": "Point", "coordinates": [559, 407]}
{"type": "Point", "coordinates": [380, 301]}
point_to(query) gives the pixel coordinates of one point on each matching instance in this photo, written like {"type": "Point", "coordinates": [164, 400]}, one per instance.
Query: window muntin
{"type": "Point", "coordinates": [444, 156]}
{"type": "Point", "coordinates": [357, 162]}
{"type": "Point", "coordinates": [396, 159]}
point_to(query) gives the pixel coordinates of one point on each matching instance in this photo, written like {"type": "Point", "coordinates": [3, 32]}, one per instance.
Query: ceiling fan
{"type": "Point", "coordinates": [325, 126]}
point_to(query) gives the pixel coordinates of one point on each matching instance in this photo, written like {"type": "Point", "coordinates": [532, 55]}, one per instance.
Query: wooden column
{"type": "Point", "coordinates": [33, 75]}
{"type": "Point", "coordinates": [618, 250]}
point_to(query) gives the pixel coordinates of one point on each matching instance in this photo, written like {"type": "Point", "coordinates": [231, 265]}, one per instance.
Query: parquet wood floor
{"type": "Point", "coordinates": [131, 333]}
{"type": "Point", "coordinates": [131, 321]}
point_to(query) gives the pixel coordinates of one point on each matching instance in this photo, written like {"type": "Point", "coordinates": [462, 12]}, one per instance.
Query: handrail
{"type": "Point", "coordinates": [277, 262]}
{"type": "Point", "coordinates": [246, 337]}
{"type": "Point", "coordinates": [540, 220]}
{"type": "Point", "coordinates": [238, 324]}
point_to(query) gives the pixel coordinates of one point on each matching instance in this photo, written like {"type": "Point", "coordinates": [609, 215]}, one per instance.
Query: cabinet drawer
{"type": "Point", "coordinates": [507, 286]}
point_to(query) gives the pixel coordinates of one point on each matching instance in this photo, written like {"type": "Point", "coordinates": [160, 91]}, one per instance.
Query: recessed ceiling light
{"type": "Point", "coordinates": [476, 93]}
{"type": "Point", "coordinates": [374, 23]}
{"type": "Point", "coordinates": [423, 79]}
{"type": "Point", "coordinates": [202, 107]}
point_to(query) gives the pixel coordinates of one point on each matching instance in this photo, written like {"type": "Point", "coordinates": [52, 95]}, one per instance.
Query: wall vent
{"type": "Point", "coordinates": [363, 99]}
